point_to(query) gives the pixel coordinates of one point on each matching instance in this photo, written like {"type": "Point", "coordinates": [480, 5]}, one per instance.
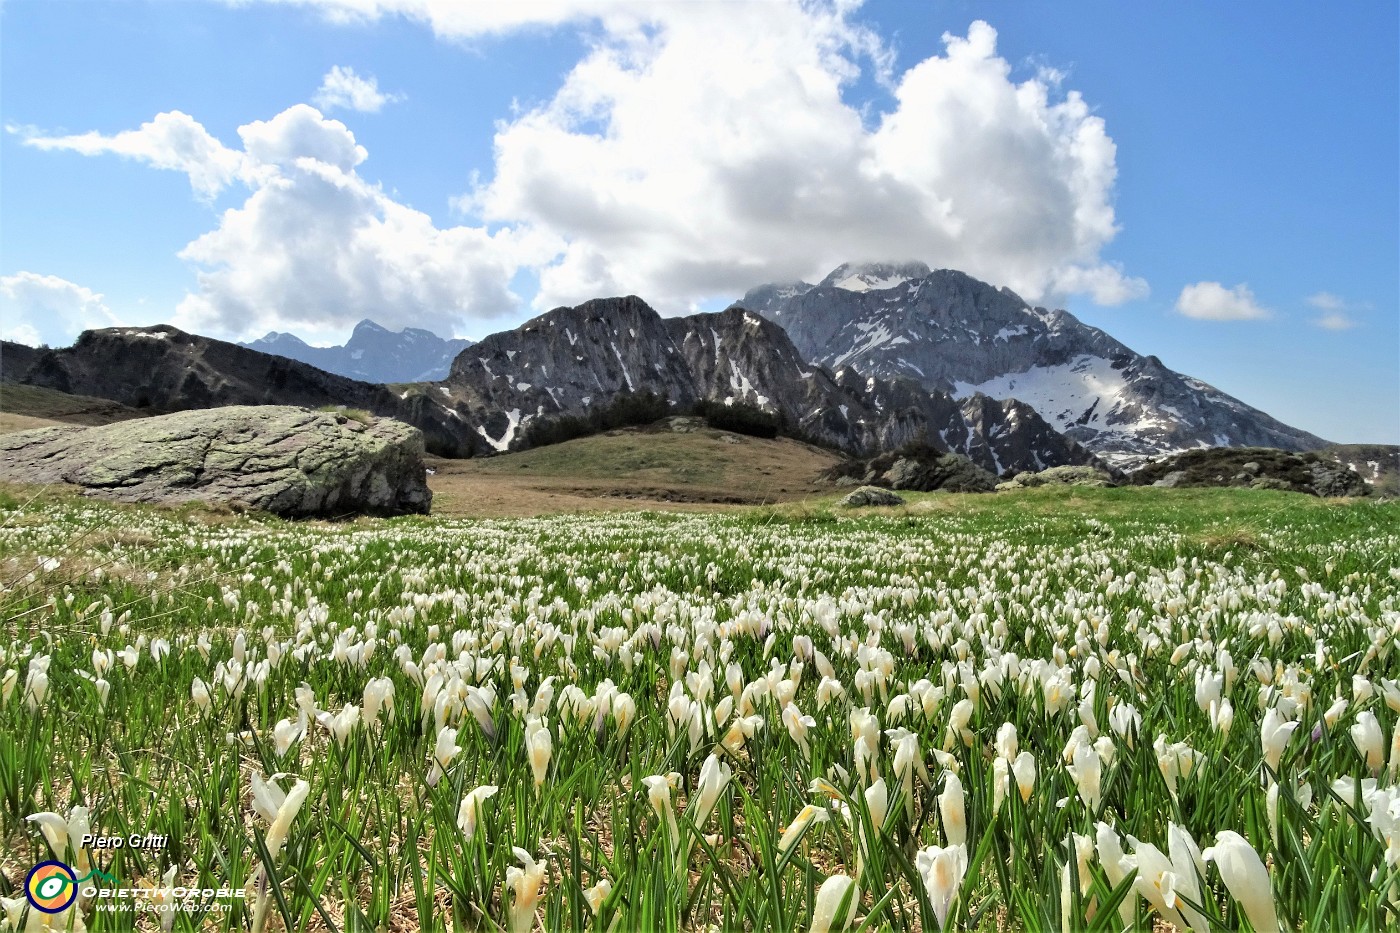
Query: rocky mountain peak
{"type": "Point", "coordinates": [873, 276]}
{"type": "Point", "coordinates": [373, 353]}
{"type": "Point", "coordinates": [955, 334]}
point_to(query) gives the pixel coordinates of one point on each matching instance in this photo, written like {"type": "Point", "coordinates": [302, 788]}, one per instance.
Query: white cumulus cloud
{"type": "Point", "coordinates": [696, 150]}
{"type": "Point", "coordinates": [701, 148]}
{"type": "Point", "coordinates": [1211, 301]}
{"type": "Point", "coordinates": [38, 309]}
{"type": "Point", "coordinates": [344, 89]}
{"type": "Point", "coordinates": [720, 151]}
{"type": "Point", "coordinates": [315, 247]}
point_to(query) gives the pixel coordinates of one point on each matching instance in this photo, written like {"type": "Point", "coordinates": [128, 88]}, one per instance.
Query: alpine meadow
{"type": "Point", "coordinates": [699, 466]}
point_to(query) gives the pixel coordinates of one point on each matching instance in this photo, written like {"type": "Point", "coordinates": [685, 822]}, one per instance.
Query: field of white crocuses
{"type": "Point", "coordinates": [1099, 710]}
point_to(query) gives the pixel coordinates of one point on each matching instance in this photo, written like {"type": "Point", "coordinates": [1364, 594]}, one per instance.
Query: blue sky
{"type": "Point", "coordinates": [1215, 184]}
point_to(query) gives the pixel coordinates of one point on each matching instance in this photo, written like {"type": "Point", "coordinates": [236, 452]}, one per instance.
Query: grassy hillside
{"type": "Point", "coordinates": [622, 469]}
{"type": "Point", "coordinates": [23, 407]}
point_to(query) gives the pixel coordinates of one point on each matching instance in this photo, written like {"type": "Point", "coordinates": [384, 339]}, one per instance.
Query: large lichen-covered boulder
{"type": "Point", "coordinates": [281, 459]}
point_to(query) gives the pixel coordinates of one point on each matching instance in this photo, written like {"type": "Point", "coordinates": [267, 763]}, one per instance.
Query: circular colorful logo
{"type": "Point", "coordinates": [51, 887]}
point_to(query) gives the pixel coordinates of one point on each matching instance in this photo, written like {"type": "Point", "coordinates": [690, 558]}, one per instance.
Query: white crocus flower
{"type": "Point", "coordinates": [1222, 716]}
{"type": "Point", "coordinates": [199, 693]}
{"type": "Point", "coordinates": [1188, 866]}
{"type": "Point", "coordinates": [659, 796]}
{"type": "Point", "coordinates": [624, 711]}
{"type": "Point", "coordinates": [1087, 770]}
{"type": "Point", "coordinates": [797, 726]}
{"type": "Point", "coordinates": [596, 895]}
{"type": "Point", "coordinates": [480, 702]}
{"type": "Point", "coordinates": [36, 687]}
{"type": "Point", "coordinates": [1335, 711]}
{"type": "Point", "coordinates": [1157, 880]}
{"type": "Point", "coordinates": [1303, 794]}
{"type": "Point", "coordinates": [1023, 770]}
{"type": "Point", "coordinates": [877, 804]}
{"type": "Point", "coordinates": [287, 732]}
{"type": "Point", "coordinates": [444, 750]}
{"type": "Point", "coordinates": [278, 808]}
{"type": "Point", "coordinates": [942, 869]}
{"type": "Point", "coordinates": [952, 809]}
{"type": "Point", "coordinates": [1125, 721]}
{"type": "Point", "coordinates": [342, 724]}
{"type": "Point", "coordinates": [539, 748]}
{"type": "Point", "coordinates": [163, 899]}
{"type": "Point", "coordinates": [1176, 760]}
{"type": "Point", "coordinates": [1390, 692]}
{"type": "Point", "coordinates": [469, 813]}
{"type": "Point", "coordinates": [1366, 735]}
{"type": "Point", "coordinates": [1246, 878]}
{"type": "Point", "coordinates": [908, 765]}
{"type": "Point", "coordinates": [1111, 857]}
{"type": "Point", "coordinates": [714, 777]}
{"type": "Point", "coordinates": [808, 815]}
{"type": "Point", "coordinates": [1273, 737]}
{"type": "Point", "coordinates": [958, 721]}
{"type": "Point", "coordinates": [62, 834]}
{"type": "Point", "coordinates": [1006, 744]}
{"type": "Point", "coordinates": [13, 909]}
{"type": "Point", "coordinates": [379, 695]}
{"type": "Point", "coordinates": [835, 891]}
{"type": "Point", "coordinates": [1082, 847]}
{"type": "Point", "coordinates": [525, 887]}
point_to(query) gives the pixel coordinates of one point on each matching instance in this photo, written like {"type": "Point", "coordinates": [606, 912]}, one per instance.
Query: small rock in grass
{"type": "Point", "coordinates": [870, 495]}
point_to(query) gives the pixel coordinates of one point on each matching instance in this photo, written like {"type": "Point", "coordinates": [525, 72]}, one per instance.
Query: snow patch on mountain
{"type": "Point", "coordinates": [873, 276]}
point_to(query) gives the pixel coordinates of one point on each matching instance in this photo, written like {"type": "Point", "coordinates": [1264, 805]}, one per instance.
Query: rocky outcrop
{"type": "Point", "coordinates": [1019, 440]}
{"type": "Point", "coordinates": [958, 335]}
{"type": "Point", "coordinates": [163, 369]}
{"type": "Point", "coordinates": [917, 468]}
{"type": "Point", "coordinates": [16, 360]}
{"type": "Point", "coordinates": [373, 353]}
{"type": "Point", "coordinates": [1256, 468]}
{"type": "Point", "coordinates": [1378, 465]}
{"type": "Point", "coordinates": [280, 459]}
{"type": "Point", "coordinates": [867, 496]}
{"type": "Point", "coordinates": [1060, 476]}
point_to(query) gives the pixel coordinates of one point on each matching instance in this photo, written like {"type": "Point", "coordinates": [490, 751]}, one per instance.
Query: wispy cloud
{"type": "Point", "coordinates": [1335, 311]}
{"type": "Point", "coordinates": [344, 89]}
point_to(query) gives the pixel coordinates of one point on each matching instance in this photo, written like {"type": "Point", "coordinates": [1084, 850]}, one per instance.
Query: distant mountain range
{"type": "Point", "coordinates": [954, 334]}
{"type": "Point", "coordinates": [872, 357]}
{"type": "Point", "coordinates": [373, 353]}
